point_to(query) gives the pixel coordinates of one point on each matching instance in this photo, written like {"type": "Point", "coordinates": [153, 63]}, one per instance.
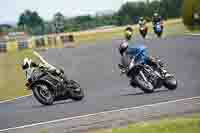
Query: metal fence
{"type": "Point", "coordinates": [22, 44]}
{"type": "Point", "coordinates": [39, 42]}
{"type": "Point", "coordinates": [36, 42]}
{"type": "Point", "coordinates": [3, 46]}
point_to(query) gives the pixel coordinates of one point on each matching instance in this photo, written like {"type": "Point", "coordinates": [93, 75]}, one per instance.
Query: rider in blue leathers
{"type": "Point", "coordinates": [127, 53]}
{"type": "Point", "coordinates": [125, 59]}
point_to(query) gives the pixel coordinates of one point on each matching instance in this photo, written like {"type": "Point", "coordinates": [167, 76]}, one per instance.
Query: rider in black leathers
{"type": "Point", "coordinates": [156, 18]}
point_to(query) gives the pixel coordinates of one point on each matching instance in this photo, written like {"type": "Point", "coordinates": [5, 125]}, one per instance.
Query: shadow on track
{"type": "Point", "coordinates": [142, 93]}
{"type": "Point", "coordinates": [54, 104]}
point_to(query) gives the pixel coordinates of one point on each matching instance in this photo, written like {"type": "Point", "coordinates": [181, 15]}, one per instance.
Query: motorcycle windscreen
{"type": "Point", "coordinates": [140, 52]}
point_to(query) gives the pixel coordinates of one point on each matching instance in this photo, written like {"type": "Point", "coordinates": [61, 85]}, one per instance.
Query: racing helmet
{"type": "Point", "coordinates": [26, 63]}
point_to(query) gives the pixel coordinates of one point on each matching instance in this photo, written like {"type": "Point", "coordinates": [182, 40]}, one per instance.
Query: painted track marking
{"type": "Point", "coordinates": [9, 100]}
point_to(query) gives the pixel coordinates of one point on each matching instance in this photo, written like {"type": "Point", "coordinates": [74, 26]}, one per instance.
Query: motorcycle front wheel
{"type": "Point", "coordinates": [145, 86]}
{"type": "Point", "coordinates": [42, 93]}
{"type": "Point", "coordinates": [143, 34]}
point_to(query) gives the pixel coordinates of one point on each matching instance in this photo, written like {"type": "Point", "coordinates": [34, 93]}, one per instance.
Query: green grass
{"type": "Point", "coordinates": [12, 79]}
{"type": "Point", "coordinates": [194, 29]}
{"type": "Point", "coordinates": [175, 30]}
{"type": "Point", "coordinates": [98, 36]}
{"type": "Point", "coordinates": [178, 125]}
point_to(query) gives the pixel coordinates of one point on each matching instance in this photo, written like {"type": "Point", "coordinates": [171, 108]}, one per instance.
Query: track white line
{"type": "Point", "coordinates": [9, 100]}
{"type": "Point", "coordinates": [89, 115]}
{"type": "Point", "coordinates": [192, 34]}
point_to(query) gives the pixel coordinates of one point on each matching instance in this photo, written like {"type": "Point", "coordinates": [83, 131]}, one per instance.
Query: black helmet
{"type": "Point", "coordinates": [128, 33]}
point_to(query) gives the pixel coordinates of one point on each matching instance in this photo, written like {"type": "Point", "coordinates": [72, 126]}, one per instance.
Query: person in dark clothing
{"type": "Point", "coordinates": [157, 18]}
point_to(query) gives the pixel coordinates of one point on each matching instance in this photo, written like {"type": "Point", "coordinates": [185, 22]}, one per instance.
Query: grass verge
{"type": "Point", "coordinates": [171, 28]}
{"type": "Point", "coordinates": [195, 31]}
{"type": "Point", "coordinates": [12, 79]}
{"type": "Point", "coordinates": [177, 125]}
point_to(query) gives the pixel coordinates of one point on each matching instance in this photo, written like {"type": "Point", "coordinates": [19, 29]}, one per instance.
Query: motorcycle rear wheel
{"type": "Point", "coordinates": [76, 92]}
{"type": "Point", "coordinates": [170, 83]}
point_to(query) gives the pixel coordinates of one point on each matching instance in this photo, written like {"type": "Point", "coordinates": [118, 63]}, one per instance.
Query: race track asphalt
{"type": "Point", "coordinates": [95, 67]}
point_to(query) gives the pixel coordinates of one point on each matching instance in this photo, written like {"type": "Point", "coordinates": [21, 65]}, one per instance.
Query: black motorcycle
{"type": "Point", "coordinates": [52, 85]}
{"type": "Point", "coordinates": [148, 78]}
{"type": "Point", "coordinates": [143, 29]}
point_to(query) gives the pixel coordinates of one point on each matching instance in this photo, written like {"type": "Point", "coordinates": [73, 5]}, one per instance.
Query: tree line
{"type": "Point", "coordinates": [129, 13]}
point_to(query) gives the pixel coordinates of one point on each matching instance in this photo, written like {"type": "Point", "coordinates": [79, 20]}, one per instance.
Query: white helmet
{"type": "Point", "coordinates": [26, 63]}
{"type": "Point", "coordinates": [155, 14]}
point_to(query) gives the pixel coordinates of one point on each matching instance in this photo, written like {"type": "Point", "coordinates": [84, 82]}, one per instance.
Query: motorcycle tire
{"type": "Point", "coordinates": [146, 87]}
{"type": "Point", "coordinates": [143, 34]}
{"type": "Point", "coordinates": [43, 95]}
{"type": "Point", "coordinates": [159, 34]}
{"type": "Point", "coordinates": [170, 83]}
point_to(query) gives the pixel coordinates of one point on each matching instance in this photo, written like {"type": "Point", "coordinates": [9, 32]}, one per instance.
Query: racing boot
{"type": "Point", "coordinates": [123, 69]}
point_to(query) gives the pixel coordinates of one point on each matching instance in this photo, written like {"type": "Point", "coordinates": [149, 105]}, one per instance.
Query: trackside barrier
{"type": "Point", "coordinates": [23, 44]}
{"type": "Point", "coordinates": [66, 39]}
{"type": "Point", "coordinates": [39, 42]}
{"type": "Point", "coordinates": [51, 41]}
{"type": "Point", "coordinates": [48, 41]}
{"type": "Point", "coordinates": [12, 45]}
{"type": "Point", "coordinates": [3, 46]}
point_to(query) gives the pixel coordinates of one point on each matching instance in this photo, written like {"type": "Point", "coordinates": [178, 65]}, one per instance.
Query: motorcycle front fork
{"type": "Point", "coordinates": [132, 81]}
{"type": "Point", "coordinates": [143, 76]}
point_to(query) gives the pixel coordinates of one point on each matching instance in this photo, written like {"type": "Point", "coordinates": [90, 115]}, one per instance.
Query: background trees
{"type": "Point", "coordinates": [129, 13]}
{"type": "Point", "coordinates": [31, 22]}
{"type": "Point", "coordinates": [59, 22]}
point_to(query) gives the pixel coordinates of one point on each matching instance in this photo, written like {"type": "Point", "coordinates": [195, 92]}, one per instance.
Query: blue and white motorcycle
{"type": "Point", "coordinates": [158, 29]}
